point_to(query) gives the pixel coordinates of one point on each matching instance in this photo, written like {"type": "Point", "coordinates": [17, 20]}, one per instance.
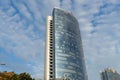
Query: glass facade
{"type": "Point", "coordinates": [69, 58]}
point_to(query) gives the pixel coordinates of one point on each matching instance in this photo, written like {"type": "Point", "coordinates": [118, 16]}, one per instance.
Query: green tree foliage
{"type": "Point", "coordinates": [14, 76]}
{"type": "Point", "coordinates": [24, 76]}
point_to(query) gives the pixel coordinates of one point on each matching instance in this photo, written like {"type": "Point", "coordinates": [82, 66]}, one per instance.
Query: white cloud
{"type": "Point", "coordinates": [20, 38]}
{"type": "Point", "coordinates": [99, 41]}
{"type": "Point", "coordinates": [100, 32]}
{"type": "Point", "coordinates": [39, 70]}
{"type": "Point", "coordinates": [66, 4]}
{"type": "Point", "coordinates": [22, 32]}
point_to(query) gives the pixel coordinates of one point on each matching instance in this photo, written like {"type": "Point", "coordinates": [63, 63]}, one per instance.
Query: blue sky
{"type": "Point", "coordinates": [22, 33]}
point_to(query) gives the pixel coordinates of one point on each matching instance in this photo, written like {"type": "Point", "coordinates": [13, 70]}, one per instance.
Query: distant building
{"type": "Point", "coordinates": [64, 58]}
{"type": "Point", "coordinates": [110, 74]}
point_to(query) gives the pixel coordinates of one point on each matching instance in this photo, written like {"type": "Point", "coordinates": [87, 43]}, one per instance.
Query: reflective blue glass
{"type": "Point", "coordinates": [69, 59]}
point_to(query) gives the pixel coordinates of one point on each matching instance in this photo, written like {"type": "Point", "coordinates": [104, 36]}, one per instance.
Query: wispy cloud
{"type": "Point", "coordinates": [99, 24]}
{"type": "Point", "coordinates": [22, 33]}
{"type": "Point", "coordinates": [21, 36]}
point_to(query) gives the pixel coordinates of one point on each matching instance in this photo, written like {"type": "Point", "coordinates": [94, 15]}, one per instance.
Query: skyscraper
{"type": "Point", "coordinates": [110, 74]}
{"type": "Point", "coordinates": [64, 59]}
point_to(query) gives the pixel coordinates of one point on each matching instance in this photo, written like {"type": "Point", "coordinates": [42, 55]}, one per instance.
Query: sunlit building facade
{"type": "Point", "coordinates": [64, 59]}
{"type": "Point", "coordinates": [110, 74]}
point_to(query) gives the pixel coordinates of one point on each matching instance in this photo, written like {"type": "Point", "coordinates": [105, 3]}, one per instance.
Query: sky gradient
{"type": "Point", "coordinates": [22, 33]}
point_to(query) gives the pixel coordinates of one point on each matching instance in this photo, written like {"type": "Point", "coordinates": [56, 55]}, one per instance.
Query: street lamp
{"type": "Point", "coordinates": [2, 64]}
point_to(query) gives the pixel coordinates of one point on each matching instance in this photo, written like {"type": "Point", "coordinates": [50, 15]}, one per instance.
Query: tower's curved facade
{"type": "Point", "coordinates": [67, 49]}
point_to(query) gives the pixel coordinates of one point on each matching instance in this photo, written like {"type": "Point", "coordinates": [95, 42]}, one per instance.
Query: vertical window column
{"type": "Point", "coordinates": [51, 52]}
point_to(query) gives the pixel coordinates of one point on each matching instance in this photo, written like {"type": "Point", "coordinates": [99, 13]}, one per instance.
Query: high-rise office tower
{"type": "Point", "coordinates": [64, 59]}
{"type": "Point", "coordinates": [110, 74]}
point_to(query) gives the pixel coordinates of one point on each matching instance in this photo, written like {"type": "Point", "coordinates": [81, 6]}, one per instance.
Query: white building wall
{"type": "Point", "coordinates": [47, 51]}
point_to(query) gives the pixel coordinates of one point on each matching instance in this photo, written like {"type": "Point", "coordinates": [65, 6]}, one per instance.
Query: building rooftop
{"type": "Point", "coordinates": [110, 70]}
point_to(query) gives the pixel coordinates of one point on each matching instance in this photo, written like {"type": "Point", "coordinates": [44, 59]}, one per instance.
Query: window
{"type": "Point", "coordinates": [50, 53]}
{"type": "Point", "coordinates": [51, 62]}
{"type": "Point", "coordinates": [51, 76]}
{"type": "Point", "coordinates": [51, 66]}
{"type": "Point", "coordinates": [51, 69]}
{"type": "Point", "coordinates": [51, 72]}
{"type": "Point", "coordinates": [50, 56]}
{"type": "Point", "coordinates": [51, 29]}
{"type": "Point", "coordinates": [51, 59]}
{"type": "Point", "coordinates": [51, 47]}
{"type": "Point", "coordinates": [51, 42]}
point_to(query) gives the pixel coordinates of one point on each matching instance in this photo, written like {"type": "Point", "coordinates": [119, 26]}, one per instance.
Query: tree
{"type": "Point", "coordinates": [24, 76]}
{"type": "Point", "coordinates": [14, 77]}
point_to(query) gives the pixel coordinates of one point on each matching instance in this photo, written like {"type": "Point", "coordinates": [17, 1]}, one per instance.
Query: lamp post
{"type": "Point", "coordinates": [5, 65]}
{"type": "Point", "coordinates": [2, 64]}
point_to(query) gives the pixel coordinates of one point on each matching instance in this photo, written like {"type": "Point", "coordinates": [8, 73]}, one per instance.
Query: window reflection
{"type": "Point", "coordinates": [67, 46]}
